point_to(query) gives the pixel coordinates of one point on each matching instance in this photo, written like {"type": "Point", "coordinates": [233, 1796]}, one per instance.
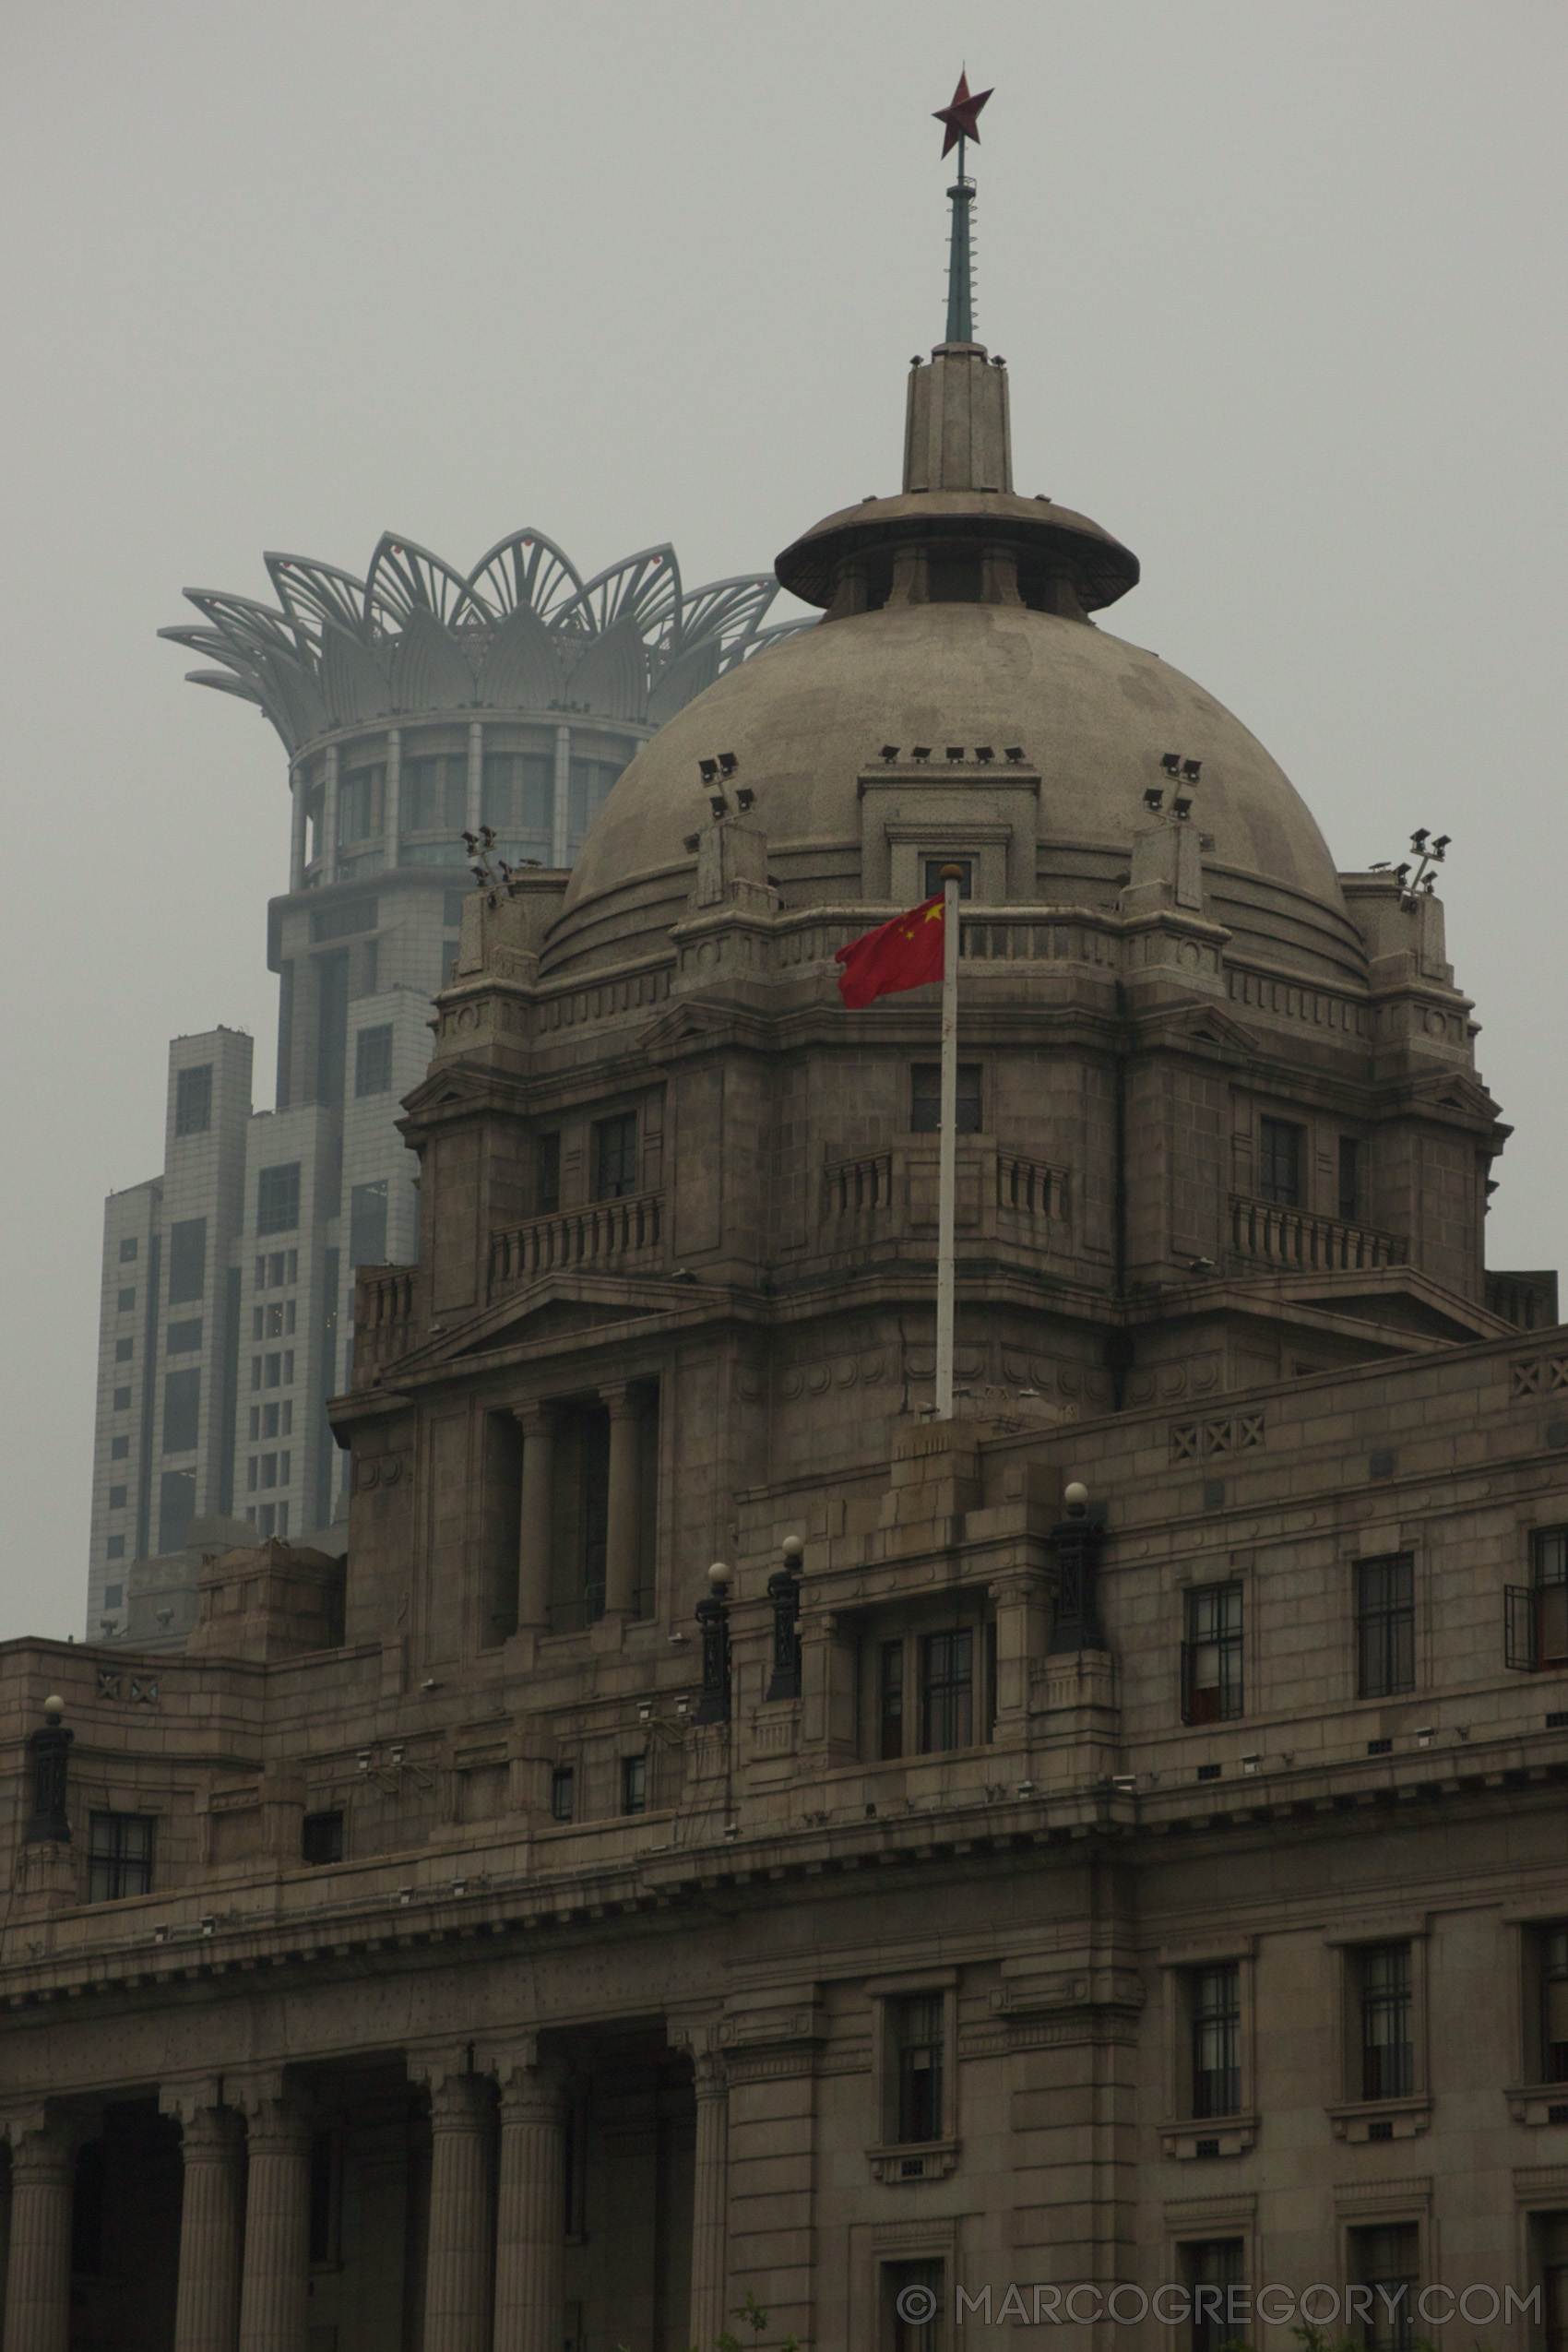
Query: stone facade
{"type": "Point", "coordinates": [724, 1832]}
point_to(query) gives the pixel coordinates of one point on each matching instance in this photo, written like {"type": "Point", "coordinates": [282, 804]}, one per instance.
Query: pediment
{"type": "Point", "coordinates": [1458, 1094]}
{"type": "Point", "coordinates": [455, 1088]}
{"type": "Point", "coordinates": [551, 1319]}
{"type": "Point", "coordinates": [683, 1023]}
{"type": "Point", "coordinates": [1203, 1024]}
{"type": "Point", "coordinates": [560, 1310]}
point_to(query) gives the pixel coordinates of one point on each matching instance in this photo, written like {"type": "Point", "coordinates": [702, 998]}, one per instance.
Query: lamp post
{"type": "Point", "coordinates": [51, 1748]}
{"type": "Point", "coordinates": [713, 1616]}
{"type": "Point", "coordinates": [784, 1592]}
{"type": "Point", "coordinates": [1077, 1540]}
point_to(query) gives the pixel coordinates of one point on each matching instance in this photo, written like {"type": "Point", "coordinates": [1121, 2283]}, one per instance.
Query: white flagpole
{"type": "Point", "coordinates": [948, 1164]}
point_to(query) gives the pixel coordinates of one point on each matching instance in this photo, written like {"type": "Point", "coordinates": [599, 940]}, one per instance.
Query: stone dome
{"type": "Point", "coordinates": [1093, 713]}
{"type": "Point", "coordinates": [958, 613]}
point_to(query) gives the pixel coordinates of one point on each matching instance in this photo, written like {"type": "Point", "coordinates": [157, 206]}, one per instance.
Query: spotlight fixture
{"type": "Point", "coordinates": [1183, 804]}
{"type": "Point", "coordinates": [889, 752]}
{"type": "Point", "coordinates": [1192, 769]}
{"type": "Point", "coordinates": [689, 843]}
{"type": "Point", "coordinates": [363, 1758]}
{"type": "Point", "coordinates": [955, 751]}
{"type": "Point", "coordinates": [1418, 839]}
{"type": "Point", "coordinates": [1154, 796]}
{"type": "Point", "coordinates": [984, 753]}
{"type": "Point", "coordinates": [1440, 846]}
{"type": "Point", "coordinates": [709, 770]}
{"type": "Point", "coordinates": [1014, 754]}
{"type": "Point", "coordinates": [1124, 1783]}
{"type": "Point", "coordinates": [744, 796]}
{"type": "Point", "coordinates": [1170, 762]}
{"type": "Point", "coordinates": [1251, 1763]}
{"type": "Point", "coordinates": [728, 762]}
{"type": "Point", "coordinates": [920, 754]}
{"type": "Point", "coordinates": [719, 804]}
{"type": "Point", "coordinates": [645, 1710]}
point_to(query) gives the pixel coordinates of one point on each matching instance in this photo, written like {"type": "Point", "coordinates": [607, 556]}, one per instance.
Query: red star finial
{"type": "Point", "coordinates": [959, 118]}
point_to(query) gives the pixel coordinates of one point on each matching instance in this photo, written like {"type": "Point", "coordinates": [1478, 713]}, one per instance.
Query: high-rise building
{"type": "Point", "coordinates": [414, 704]}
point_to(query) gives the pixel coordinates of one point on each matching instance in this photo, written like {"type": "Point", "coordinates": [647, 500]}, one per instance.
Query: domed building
{"type": "Point", "coordinates": [733, 1836]}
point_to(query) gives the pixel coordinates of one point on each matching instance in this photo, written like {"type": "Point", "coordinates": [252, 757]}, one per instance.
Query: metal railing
{"type": "Point", "coordinates": [605, 1232]}
{"type": "Point", "coordinates": [1293, 1236]}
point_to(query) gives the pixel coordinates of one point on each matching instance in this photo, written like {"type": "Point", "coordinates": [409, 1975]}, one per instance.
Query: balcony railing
{"type": "Point", "coordinates": [853, 1186]}
{"type": "Point", "coordinates": [1291, 1236]}
{"type": "Point", "coordinates": [604, 1234]}
{"type": "Point", "coordinates": [1030, 1188]}
{"type": "Point", "coordinates": [384, 1306]}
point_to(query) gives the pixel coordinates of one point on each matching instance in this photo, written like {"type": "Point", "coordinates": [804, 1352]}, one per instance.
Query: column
{"type": "Point", "coordinates": [476, 773]}
{"type": "Point", "coordinates": [297, 829]}
{"type": "Point", "coordinates": [38, 2282]}
{"type": "Point", "coordinates": [392, 814]}
{"type": "Point", "coordinates": [329, 844]}
{"type": "Point", "coordinates": [538, 1425]}
{"type": "Point", "coordinates": [621, 1531]}
{"type": "Point", "coordinates": [531, 2216]}
{"type": "Point", "coordinates": [276, 2276]}
{"type": "Point", "coordinates": [561, 844]}
{"type": "Point", "coordinates": [709, 2197]}
{"type": "Point", "coordinates": [207, 2312]}
{"type": "Point", "coordinates": [458, 2279]}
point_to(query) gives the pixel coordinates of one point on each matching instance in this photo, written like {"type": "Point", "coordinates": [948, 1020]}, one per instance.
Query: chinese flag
{"type": "Point", "coordinates": [905, 953]}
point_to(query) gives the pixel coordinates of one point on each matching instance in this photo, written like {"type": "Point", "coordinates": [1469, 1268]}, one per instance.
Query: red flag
{"type": "Point", "coordinates": [905, 953]}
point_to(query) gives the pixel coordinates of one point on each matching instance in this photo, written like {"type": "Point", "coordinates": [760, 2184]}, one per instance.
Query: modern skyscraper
{"type": "Point", "coordinates": [413, 704]}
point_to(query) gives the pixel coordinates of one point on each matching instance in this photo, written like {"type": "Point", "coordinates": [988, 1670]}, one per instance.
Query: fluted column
{"type": "Point", "coordinates": [621, 1532]}
{"type": "Point", "coordinates": [710, 2195]}
{"type": "Point", "coordinates": [276, 2270]}
{"type": "Point", "coordinates": [536, 1518]}
{"type": "Point", "coordinates": [458, 2292]}
{"type": "Point", "coordinates": [38, 2282]}
{"type": "Point", "coordinates": [207, 2314]}
{"type": "Point", "coordinates": [532, 2214]}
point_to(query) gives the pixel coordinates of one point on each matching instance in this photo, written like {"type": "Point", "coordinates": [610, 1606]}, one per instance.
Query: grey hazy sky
{"type": "Point", "coordinates": [1279, 282]}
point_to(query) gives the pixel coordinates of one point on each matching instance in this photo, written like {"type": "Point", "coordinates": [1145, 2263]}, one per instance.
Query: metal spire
{"type": "Point", "coordinates": [959, 121]}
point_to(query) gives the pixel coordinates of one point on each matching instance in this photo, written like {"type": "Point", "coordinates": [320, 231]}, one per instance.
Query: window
{"type": "Point", "coordinates": [589, 787]}
{"type": "Point", "coordinates": [908, 2291]}
{"type": "Point", "coordinates": [324, 2202]}
{"type": "Point", "coordinates": [1211, 1655]}
{"type": "Point", "coordinates": [1387, 2267]}
{"type": "Point", "coordinates": [1209, 2270]}
{"type": "Point", "coordinates": [176, 1508]}
{"type": "Point", "coordinates": [360, 799]}
{"type": "Point", "coordinates": [124, 1351]}
{"type": "Point", "coordinates": [321, 1838]}
{"type": "Point", "coordinates": [1385, 1625]}
{"type": "Point", "coordinates": [615, 1156]}
{"type": "Point", "coordinates": [435, 793]}
{"type": "Point", "coordinates": [116, 1498]}
{"type": "Point", "coordinates": [277, 1198]}
{"type": "Point", "coordinates": [128, 1250]}
{"type": "Point", "coordinates": [1388, 2047]}
{"type": "Point", "coordinates": [122, 1400]}
{"type": "Point", "coordinates": [890, 1700]}
{"type": "Point", "coordinates": [948, 1689]}
{"type": "Point", "coordinates": [114, 1549]}
{"type": "Point", "coordinates": [127, 1303]}
{"type": "Point", "coordinates": [367, 1224]}
{"type": "Point", "coordinates": [1538, 1612]}
{"type": "Point", "coordinates": [1217, 2039]}
{"type": "Point", "coordinates": [1349, 1180]}
{"type": "Point", "coordinates": [183, 1338]}
{"type": "Point", "coordinates": [547, 1174]}
{"type": "Point", "coordinates": [916, 2027]}
{"type": "Point", "coordinates": [181, 1410]}
{"type": "Point", "coordinates": [1549, 2231]}
{"type": "Point", "coordinates": [119, 1449]}
{"type": "Point", "coordinates": [1279, 1162]}
{"type": "Point", "coordinates": [187, 1260]}
{"type": "Point", "coordinates": [1554, 2006]}
{"type": "Point", "coordinates": [563, 1785]}
{"type": "Point", "coordinates": [519, 792]}
{"type": "Point", "coordinates": [925, 1099]}
{"type": "Point", "coordinates": [113, 1595]}
{"type": "Point", "coordinates": [253, 1470]}
{"type": "Point", "coordinates": [119, 1856]}
{"type": "Point", "coordinates": [193, 1100]}
{"type": "Point", "coordinates": [934, 882]}
{"type": "Point", "coordinates": [372, 1060]}
{"type": "Point", "coordinates": [634, 1784]}
{"type": "Point", "coordinates": [341, 921]}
